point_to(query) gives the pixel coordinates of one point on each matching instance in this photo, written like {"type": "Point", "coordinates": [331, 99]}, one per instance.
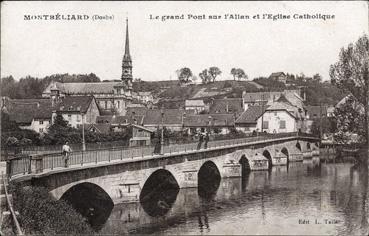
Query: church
{"type": "Point", "coordinates": [111, 97]}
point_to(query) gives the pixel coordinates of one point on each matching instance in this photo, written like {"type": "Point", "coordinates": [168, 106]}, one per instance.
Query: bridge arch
{"type": "Point", "coordinates": [91, 201]}
{"type": "Point", "coordinates": [208, 178]}
{"type": "Point", "coordinates": [245, 165]}
{"type": "Point", "coordinates": [298, 146]}
{"type": "Point", "coordinates": [268, 156]}
{"type": "Point", "coordinates": [159, 193]}
{"type": "Point", "coordinates": [285, 152]}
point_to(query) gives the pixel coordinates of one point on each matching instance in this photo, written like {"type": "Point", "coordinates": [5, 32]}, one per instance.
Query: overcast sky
{"type": "Point", "coordinates": [44, 47]}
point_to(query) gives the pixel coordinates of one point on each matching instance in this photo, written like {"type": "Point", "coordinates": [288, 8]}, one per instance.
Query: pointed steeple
{"type": "Point", "coordinates": [126, 48]}
{"type": "Point", "coordinates": [127, 61]}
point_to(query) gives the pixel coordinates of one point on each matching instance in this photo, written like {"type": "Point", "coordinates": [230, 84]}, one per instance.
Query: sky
{"type": "Point", "coordinates": [159, 48]}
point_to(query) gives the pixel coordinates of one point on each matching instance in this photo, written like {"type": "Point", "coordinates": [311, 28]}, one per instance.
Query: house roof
{"type": "Point", "coordinates": [141, 111]}
{"type": "Point", "coordinates": [227, 105]}
{"type": "Point", "coordinates": [194, 103]}
{"type": "Point", "coordinates": [281, 106]}
{"type": "Point", "coordinates": [216, 120]}
{"type": "Point", "coordinates": [25, 110]}
{"type": "Point", "coordinates": [116, 120]}
{"type": "Point", "coordinates": [83, 88]}
{"type": "Point", "coordinates": [251, 115]}
{"type": "Point", "coordinates": [75, 104]}
{"type": "Point", "coordinates": [101, 128]}
{"type": "Point", "coordinates": [142, 128]}
{"type": "Point", "coordinates": [171, 116]}
{"type": "Point", "coordinates": [292, 96]}
{"type": "Point", "coordinates": [277, 74]}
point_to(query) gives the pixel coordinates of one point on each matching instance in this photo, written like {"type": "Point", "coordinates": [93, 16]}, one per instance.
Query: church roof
{"type": "Point", "coordinates": [83, 88]}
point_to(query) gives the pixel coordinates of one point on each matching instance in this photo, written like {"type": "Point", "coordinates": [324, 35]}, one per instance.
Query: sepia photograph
{"type": "Point", "coordinates": [184, 118]}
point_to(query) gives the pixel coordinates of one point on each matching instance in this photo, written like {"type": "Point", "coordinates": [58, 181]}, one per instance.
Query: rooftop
{"type": "Point", "coordinates": [251, 115]}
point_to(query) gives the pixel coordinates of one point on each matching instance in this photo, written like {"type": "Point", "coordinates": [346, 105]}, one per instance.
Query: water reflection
{"type": "Point", "coordinates": [261, 202]}
{"type": "Point", "coordinates": [159, 193]}
{"type": "Point", "coordinates": [208, 180]}
{"type": "Point", "coordinates": [91, 202]}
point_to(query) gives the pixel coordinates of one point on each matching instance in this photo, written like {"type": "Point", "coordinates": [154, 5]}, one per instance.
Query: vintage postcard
{"type": "Point", "coordinates": [184, 118]}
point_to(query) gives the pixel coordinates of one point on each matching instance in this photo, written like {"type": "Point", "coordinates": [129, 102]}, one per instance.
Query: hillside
{"type": "Point", "coordinates": [172, 95]}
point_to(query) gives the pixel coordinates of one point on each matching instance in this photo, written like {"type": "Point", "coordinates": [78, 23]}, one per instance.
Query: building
{"type": "Point", "coordinates": [278, 116]}
{"type": "Point", "coordinates": [196, 105]}
{"type": "Point", "coordinates": [247, 121]}
{"type": "Point", "coordinates": [32, 114]}
{"type": "Point", "coordinates": [279, 76]}
{"type": "Point", "coordinates": [263, 98]}
{"type": "Point", "coordinates": [77, 110]}
{"type": "Point", "coordinates": [141, 136]}
{"type": "Point", "coordinates": [316, 112]}
{"type": "Point", "coordinates": [111, 97]}
{"type": "Point", "coordinates": [171, 119]}
{"type": "Point", "coordinates": [215, 123]}
{"type": "Point", "coordinates": [226, 106]}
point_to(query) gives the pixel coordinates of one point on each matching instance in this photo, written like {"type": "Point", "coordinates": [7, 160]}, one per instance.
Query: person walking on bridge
{"type": "Point", "coordinates": [66, 152]}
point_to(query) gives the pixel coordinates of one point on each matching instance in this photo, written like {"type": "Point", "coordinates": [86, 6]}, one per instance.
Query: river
{"type": "Point", "coordinates": [305, 198]}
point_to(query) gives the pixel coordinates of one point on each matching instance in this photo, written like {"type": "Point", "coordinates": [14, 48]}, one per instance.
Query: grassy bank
{"type": "Point", "coordinates": [41, 214]}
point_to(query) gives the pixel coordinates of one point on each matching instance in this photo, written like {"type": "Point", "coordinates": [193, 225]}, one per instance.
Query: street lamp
{"type": "Point", "coordinates": [162, 132]}
{"type": "Point", "coordinates": [262, 112]}
{"type": "Point", "coordinates": [83, 134]}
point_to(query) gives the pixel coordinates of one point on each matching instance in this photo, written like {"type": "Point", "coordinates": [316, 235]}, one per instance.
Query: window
{"type": "Point", "coordinates": [69, 117]}
{"type": "Point", "coordinates": [118, 104]}
{"type": "Point", "coordinates": [41, 130]}
{"type": "Point", "coordinates": [106, 104]}
{"type": "Point", "coordinates": [275, 113]}
{"type": "Point", "coordinates": [282, 124]}
{"type": "Point", "coordinates": [41, 122]}
{"type": "Point", "coordinates": [78, 118]}
{"type": "Point", "coordinates": [265, 124]}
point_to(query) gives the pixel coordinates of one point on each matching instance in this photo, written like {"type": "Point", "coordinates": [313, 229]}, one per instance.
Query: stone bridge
{"type": "Point", "coordinates": [125, 179]}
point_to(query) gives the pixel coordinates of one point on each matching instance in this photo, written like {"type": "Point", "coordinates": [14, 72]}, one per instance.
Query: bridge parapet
{"type": "Point", "coordinates": [28, 165]}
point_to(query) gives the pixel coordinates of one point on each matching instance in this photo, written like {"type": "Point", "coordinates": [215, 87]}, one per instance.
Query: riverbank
{"type": "Point", "coordinates": [41, 214]}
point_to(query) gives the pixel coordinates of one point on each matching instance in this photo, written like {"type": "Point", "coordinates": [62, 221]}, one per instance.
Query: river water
{"type": "Point", "coordinates": [305, 198]}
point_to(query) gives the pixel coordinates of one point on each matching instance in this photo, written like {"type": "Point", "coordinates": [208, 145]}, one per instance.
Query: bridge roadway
{"type": "Point", "coordinates": [123, 173]}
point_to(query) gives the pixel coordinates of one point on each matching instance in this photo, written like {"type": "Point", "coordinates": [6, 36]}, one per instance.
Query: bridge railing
{"type": "Point", "coordinates": [26, 164]}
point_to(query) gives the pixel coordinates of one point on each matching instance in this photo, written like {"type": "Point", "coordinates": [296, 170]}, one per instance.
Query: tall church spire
{"type": "Point", "coordinates": [126, 49]}
{"type": "Point", "coordinates": [127, 61]}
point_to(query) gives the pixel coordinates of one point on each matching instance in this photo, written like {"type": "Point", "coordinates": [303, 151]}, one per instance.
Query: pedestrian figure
{"type": "Point", "coordinates": [200, 141]}
{"type": "Point", "coordinates": [157, 145]}
{"type": "Point", "coordinates": [206, 140]}
{"type": "Point", "coordinates": [66, 152]}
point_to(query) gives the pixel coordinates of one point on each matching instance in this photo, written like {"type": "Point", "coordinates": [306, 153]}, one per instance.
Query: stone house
{"type": "Point", "coordinates": [77, 110]}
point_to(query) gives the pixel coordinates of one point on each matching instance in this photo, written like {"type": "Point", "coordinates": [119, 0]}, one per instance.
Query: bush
{"type": "Point", "coordinates": [41, 214]}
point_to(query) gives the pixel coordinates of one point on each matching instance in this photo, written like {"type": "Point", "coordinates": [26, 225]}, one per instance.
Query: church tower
{"type": "Point", "coordinates": [127, 61]}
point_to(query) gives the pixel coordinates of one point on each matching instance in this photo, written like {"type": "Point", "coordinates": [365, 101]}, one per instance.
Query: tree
{"type": "Point", "coordinates": [234, 73]}
{"type": "Point", "coordinates": [241, 74]}
{"type": "Point", "coordinates": [184, 75]}
{"type": "Point", "coordinates": [350, 120]}
{"type": "Point", "coordinates": [350, 74]}
{"type": "Point", "coordinates": [205, 77]}
{"type": "Point", "coordinates": [238, 73]}
{"type": "Point", "coordinates": [214, 72]}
